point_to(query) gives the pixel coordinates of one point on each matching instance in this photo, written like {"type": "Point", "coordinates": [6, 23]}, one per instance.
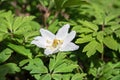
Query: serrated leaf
{"type": "Point", "coordinates": [108, 31]}
{"type": "Point", "coordinates": [71, 3]}
{"type": "Point", "coordinates": [3, 36]}
{"type": "Point", "coordinates": [21, 50]}
{"type": "Point", "coordinates": [23, 62]}
{"type": "Point", "coordinates": [56, 61]}
{"type": "Point", "coordinates": [46, 77]}
{"type": "Point", "coordinates": [37, 76]}
{"type": "Point", "coordinates": [84, 39]}
{"type": "Point", "coordinates": [26, 25]}
{"type": "Point", "coordinates": [20, 22]}
{"type": "Point", "coordinates": [29, 35]}
{"type": "Point", "coordinates": [90, 25]}
{"type": "Point", "coordinates": [53, 27]}
{"type": "Point", "coordinates": [116, 77]}
{"type": "Point", "coordinates": [17, 23]}
{"type": "Point", "coordinates": [78, 76]}
{"type": "Point", "coordinates": [91, 52]}
{"type": "Point", "coordinates": [85, 30]}
{"type": "Point", "coordinates": [9, 18]}
{"type": "Point", "coordinates": [90, 48]}
{"type": "Point", "coordinates": [10, 68]}
{"type": "Point", "coordinates": [66, 76]}
{"type": "Point", "coordinates": [112, 15]}
{"type": "Point", "coordinates": [117, 32]}
{"type": "Point", "coordinates": [110, 43]}
{"type": "Point", "coordinates": [100, 36]}
{"type": "Point", "coordinates": [115, 27]}
{"type": "Point", "coordinates": [63, 68]}
{"type": "Point", "coordinates": [90, 45]}
{"type": "Point", "coordinates": [99, 47]}
{"type": "Point", "coordinates": [59, 3]}
{"type": "Point", "coordinates": [5, 54]}
{"type": "Point", "coordinates": [57, 76]}
{"type": "Point", "coordinates": [35, 66]}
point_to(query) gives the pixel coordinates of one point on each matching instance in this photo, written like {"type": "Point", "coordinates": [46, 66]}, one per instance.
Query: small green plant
{"type": "Point", "coordinates": [36, 47]}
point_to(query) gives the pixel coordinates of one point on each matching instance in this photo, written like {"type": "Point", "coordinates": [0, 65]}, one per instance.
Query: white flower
{"type": "Point", "coordinates": [55, 43]}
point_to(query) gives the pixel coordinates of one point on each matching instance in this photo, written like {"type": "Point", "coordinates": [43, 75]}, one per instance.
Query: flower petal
{"type": "Point", "coordinates": [47, 34]}
{"type": "Point", "coordinates": [69, 37]}
{"type": "Point", "coordinates": [62, 33]}
{"type": "Point", "coordinates": [39, 41]}
{"type": "Point", "coordinates": [69, 47]}
{"type": "Point", "coordinates": [48, 51]}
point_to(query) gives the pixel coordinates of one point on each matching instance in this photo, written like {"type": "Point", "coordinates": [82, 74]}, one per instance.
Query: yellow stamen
{"type": "Point", "coordinates": [55, 43]}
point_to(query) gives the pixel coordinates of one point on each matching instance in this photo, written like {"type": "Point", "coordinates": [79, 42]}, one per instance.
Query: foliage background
{"type": "Point", "coordinates": [97, 23]}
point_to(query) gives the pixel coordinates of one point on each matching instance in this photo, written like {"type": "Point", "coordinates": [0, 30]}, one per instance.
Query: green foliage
{"type": "Point", "coordinates": [15, 33]}
{"type": "Point", "coordinates": [58, 66]}
{"type": "Point", "coordinates": [107, 71]}
{"type": "Point", "coordinates": [21, 50]}
{"type": "Point", "coordinates": [5, 54]}
{"type": "Point", "coordinates": [111, 43]}
{"type": "Point", "coordinates": [34, 66]}
{"type": "Point", "coordinates": [68, 3]}
{"type": "Point", "coordinates": [97, 26]}
{"type": "Point", "coordinates": [98, 33]}
{"type": "Point", "coordinates": [10, 68]}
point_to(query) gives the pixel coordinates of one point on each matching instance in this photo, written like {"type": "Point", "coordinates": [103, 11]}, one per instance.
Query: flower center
{"type": "Point", "coordinates": [56, 43]}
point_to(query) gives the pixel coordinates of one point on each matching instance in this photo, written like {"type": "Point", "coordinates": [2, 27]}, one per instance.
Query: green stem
{"type": "Point", "coordinates": [103, 26]}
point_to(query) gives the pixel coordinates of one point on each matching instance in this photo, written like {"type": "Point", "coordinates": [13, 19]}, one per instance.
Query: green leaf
{"type": "Point", "coordinates": [59, 3]}
{"type": "Point", "coordinates": [37, 76]}
{"type": "Point", "coordinates": [99, 47]}
{"type": "Point", "coordinates": [73, 3]}
{"type": "Point", "coordinates": [110, 71]}
{"type": "Point", "coordinates": [78, 76]}
{"type": "Point", "coordinates": [3, 36]}
{"type": "Point", "coordinates": [46, 77]}
{"type": "Point", "coordinates": [21, 50]}
{"type": "Point", "coordinates": [100, 36]}
{"type": "Point", "coordinates": [35, 66]}
{"type": "Point", "coordinates": [28, 36]}
{"type": "Point", "coordinates": [112, 15]}
{"type": "Point", "coordinates": [116, 77]}
{"type": "Point", "coordinates": [89, 25]}
{"type": "Point", "coordinates": [110, 43]}
{"type": "Point", "coordinates": [22, 25]}
{"type": "Point", "coordinates": [66, 76]}
{"type": "Point", "coordinates": [56, 61]}
{"type": "Point", "coordinates": [57, 76]}
{"type": "Point", "coordinates": [21, 22]}
{"type": "Point", "coordinates": [108, 31]}
{"type": "Point", "coordinates": [117, 32]}
{"type": "Point", "coordinates": [53, 27]}
{"type": "Point", "coordinates": [115, 27]}
{"type": "Point", "coordinates": [10, 68]}
{"type": "Point", "coordinates": [34, 25]}
{"type": "Point", "coordinates": [5, 54]}
{"type": "Point", "coordinates": [23, 62]}
{"type": "Point", "coordinates": [84, 39]}
{"type": "Point", "coordinates": [18, 21]}
{"type": "Point", "coordinates": [90, 48]}
{"type": "Point", "coordinates": [84, 30]}
{"type": "Point", "coordinates": [63, 68]}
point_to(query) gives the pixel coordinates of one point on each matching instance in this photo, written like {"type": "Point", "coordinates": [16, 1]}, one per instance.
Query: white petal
{"type": "Point", "coordinates": [62, 33]}
{"type": "Point", "coordinates": [39, 41]}
{"type": "Point", "coordinates": [69, 47]}
{"type": "Point", "coordinates": [48, 51]}
{"type": "Point", "coordinates": [47, 34]}
{"type": "Point", "coordinates": [69, 37]}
